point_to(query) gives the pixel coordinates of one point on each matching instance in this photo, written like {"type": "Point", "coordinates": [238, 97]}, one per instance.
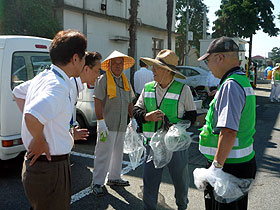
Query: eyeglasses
{"type": "Point", "coordinates": [206, 61]}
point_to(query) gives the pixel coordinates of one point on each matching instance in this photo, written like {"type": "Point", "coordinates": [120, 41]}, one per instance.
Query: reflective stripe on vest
{"type": "Point", "coordinates": [169, 105]}
{"type": "Point", "coordinates": [238, 153]}
{"type": "Point", "coordinates": [242, 150]}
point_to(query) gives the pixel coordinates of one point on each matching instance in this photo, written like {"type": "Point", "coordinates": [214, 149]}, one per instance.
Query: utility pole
{"type": "Point", "coordinates": [187, 33]}
{"type": "Point", "coordinates": [204, 23]}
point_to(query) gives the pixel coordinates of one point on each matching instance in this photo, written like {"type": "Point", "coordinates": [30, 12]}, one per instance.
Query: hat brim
{"type": "Point", "coordinates": [151, 62]}
{"type": "Point", "coordinates": [203, 57]}
{"type": "Point", "coordinates": [128, 61]}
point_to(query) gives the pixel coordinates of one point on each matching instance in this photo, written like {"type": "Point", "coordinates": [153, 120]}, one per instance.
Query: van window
{"type": "Point", "coordinates": [26, 65]}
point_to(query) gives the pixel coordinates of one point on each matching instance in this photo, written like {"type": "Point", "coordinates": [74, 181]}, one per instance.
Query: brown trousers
{"type": "Point", "coordinates": [47, 185]}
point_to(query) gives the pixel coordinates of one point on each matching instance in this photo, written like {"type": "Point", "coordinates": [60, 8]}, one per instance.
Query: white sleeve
{"type": "Point", "coordinates": [48, 105]}
{"type": "Point", "coordinates": [20, 91]}
{"type": "Point", "coordinates": [189, 104]}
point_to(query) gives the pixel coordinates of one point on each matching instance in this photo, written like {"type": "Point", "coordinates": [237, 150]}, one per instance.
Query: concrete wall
{"type": "Point", "coordinates": [102, 30]}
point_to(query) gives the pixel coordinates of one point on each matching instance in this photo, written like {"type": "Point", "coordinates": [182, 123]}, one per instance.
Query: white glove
{"type": "Point", "coordinates": [213, 173]}
{"type": "Point", "coordinates": [133, 124]}
{"type": "Point", "coordinates": [102, 128]}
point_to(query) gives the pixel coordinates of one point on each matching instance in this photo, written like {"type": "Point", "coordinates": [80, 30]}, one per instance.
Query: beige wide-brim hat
{"type": "Point", "coordinates": [128, 61]}
{"type": "Point", "coordinates": [165, 59]}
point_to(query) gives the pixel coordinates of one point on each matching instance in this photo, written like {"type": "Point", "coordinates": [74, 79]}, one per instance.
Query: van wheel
{"type": "Point", "coordinates": [81, 122]}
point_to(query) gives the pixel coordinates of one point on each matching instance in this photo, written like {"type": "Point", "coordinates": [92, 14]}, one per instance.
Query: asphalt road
{"type": "Point", "coordinates": [264, 195]}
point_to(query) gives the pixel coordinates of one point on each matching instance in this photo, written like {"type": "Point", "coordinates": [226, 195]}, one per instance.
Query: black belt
{"type": "Point", "coordinates": [54, 158]}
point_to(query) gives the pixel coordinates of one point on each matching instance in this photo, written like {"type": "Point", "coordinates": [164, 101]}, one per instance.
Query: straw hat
{"type": "Point", "coordinates": [128, 61]}
{"type": "Point", "coordinates": [165, 59]}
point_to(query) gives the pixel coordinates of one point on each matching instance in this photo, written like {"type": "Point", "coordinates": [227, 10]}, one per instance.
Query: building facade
{"type": "Point", "coordinates": [105, 24]}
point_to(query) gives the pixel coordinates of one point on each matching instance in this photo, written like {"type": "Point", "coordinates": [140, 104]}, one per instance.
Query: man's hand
{"type": "Point", "coordinates": [38, 145]}
{"type": "Point", "coordinates": [36, 148]}
{"type": "Point", "coordinates": [102, 128]}
{"type": "Point", "coordinates": [133, 124]}
{"type": "Point", "coordinates": [80, 133]}
{"type": "Point", "coordinates": [154, 116]}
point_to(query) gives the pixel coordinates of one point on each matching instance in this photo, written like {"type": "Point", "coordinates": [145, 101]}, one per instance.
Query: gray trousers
{"type": "Point", "coordinates": [179, 172]}
{"type": "Point", "coordinates": [47, 185]}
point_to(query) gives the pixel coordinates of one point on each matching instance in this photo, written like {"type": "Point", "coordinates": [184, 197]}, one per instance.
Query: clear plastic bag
{"type": "Point", "coordinates": [227, 188]}
{"type": "Point", "coordinates": [161, 156]}
{"type": "Point", "coordinates": [133, 146]}
{"type": "Point", "coordinates": [177, 138]}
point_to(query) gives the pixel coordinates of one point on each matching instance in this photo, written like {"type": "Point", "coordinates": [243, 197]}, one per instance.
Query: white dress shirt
{"type": "Point", "coordinates": [49, 99]}
{"type": "Point", "coordinates": [20, 91]}
{"type": "Point", "coordinates": [141, 77]}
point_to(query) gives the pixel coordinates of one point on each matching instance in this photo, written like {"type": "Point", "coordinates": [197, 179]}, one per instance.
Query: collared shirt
{"type": "Point", "coordinates": [48, 99]}
{"type": "Point", "coordinates": [186, 102]}
{"type": "Point", "coordinates": [115, 110]}
{"type": "Point", "coordinates": [230, 102]}
{"type": "Point", "coordinates": [141, 77]}
{"type": "Point", "coordinates": [20, 91]}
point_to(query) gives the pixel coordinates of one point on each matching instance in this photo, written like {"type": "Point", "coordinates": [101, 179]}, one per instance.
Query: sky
{"type": "Point", "coordinates": [262, 43]}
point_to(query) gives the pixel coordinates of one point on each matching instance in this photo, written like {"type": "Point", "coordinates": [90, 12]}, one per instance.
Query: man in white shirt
{"type": "Point", "coordinates": [141, 77]}
{"type": "Point", "coordinates": [90, 73]}
{"type": "Point", "coordinates": [211, 87]}
{"type": "Point", "coordinates": [45, 133]}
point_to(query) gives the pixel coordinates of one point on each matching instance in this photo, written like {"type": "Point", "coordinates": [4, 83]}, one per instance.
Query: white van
{"type": "Point", "coordinates": [21, 58]}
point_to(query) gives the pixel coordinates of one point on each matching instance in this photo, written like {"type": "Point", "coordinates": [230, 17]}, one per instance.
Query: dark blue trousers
{"type": "Point", "coordinates": [179, 172]}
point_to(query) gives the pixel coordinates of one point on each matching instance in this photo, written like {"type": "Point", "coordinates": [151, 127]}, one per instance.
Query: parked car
{"type": "Point", "coordinates": [196, 77]}
{"type": "Point", "coordinates": [21, 57]}
{"type": "Point", "coordinates": [85, 110]}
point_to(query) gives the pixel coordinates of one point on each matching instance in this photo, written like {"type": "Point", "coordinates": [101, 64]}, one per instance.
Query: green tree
{"type": "Point", "coordinates": [275, 54]}
{"type": "Point", "coordinates": [196, 26]}
{"type": "Point", "coordinates": [29, 17]}
{"type": "Point", "coordinates": [243, 18]}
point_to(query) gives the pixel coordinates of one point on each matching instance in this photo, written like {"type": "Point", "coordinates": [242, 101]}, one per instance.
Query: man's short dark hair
{"type": "Point", "coordinates": [91, 58]}
{"type": "Point", "coordinates": [142, 64]}
{"type": "Point", "coordinates": [65, 44]}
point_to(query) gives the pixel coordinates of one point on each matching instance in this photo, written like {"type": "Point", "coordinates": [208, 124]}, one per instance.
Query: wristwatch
{"type": "Point", "coordinates": [217, 164]}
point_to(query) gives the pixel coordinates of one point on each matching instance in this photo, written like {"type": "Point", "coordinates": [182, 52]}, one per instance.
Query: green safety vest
{"type": "Point", "coordinates": [169, 105]}
{"type": "Point", "coordinates": [242, 150]}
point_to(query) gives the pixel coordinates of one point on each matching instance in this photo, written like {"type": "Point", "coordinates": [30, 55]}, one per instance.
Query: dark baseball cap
{"type": "Point", "coordinates": [222, 44]}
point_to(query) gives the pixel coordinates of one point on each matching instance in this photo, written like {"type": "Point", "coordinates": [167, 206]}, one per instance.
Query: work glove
{"type": "Point", "coordinates": [203, 176]}
{"type": "Point", "coordinates": [102, 130]}
{"type": "Point", "coordinates": [213, 174]}
{"type": "Point", "coordinates": [133, 123]}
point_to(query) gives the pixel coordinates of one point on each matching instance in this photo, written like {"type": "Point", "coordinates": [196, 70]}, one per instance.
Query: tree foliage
{"type": "Point", "coordinates": [29, 17]}
{"type": "Point", "coordinates": [275, 54]}
{"type": "Point", "coordinates": [196, 26]}
{"type": "Point", "coordinates": [243, 18]}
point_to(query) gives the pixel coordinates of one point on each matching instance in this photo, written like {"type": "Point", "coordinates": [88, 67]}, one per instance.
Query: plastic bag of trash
{"type": "Point", "coordinates": [161, 155]}
{"type": "Point", "coordinates": [177, 138]}
{"type": "Point", "coordinates": [133, 146]}
{"type": "Point", "coordinates": [227, 188]}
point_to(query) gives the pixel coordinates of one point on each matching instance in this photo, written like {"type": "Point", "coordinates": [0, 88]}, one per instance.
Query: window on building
{"type": "Point", "coordinates": [157, 46]}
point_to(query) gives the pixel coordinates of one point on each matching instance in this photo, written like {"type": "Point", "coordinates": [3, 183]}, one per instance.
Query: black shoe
{"type": "Point", "coordinates": [97, 190]}
{"type": "Point", "coordinates": [118, 182]}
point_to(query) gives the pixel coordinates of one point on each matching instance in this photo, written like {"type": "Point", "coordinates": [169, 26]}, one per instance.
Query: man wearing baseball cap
{"type": "Point", "coordinates": [230, 121]}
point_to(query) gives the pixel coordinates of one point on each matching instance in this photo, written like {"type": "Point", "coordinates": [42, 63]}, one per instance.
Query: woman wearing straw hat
{"type": "Point", "coordinates": [113, 98]}
{"type": "Point", "coordinates": [165, 96]}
